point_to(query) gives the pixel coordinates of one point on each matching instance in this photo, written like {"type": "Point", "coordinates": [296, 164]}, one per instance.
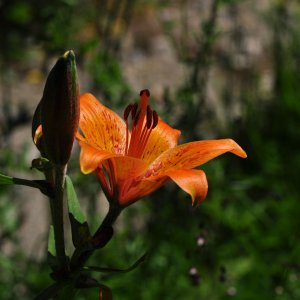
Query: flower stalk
{"type": "Point", "coordinates": [101, 237]}
{"type": "Point", "coordinates": [113, 213]}
{"type": "Point", "coordinates": [56, 206]}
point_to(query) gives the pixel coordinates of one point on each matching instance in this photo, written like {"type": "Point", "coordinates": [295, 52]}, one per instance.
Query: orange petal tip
{"type": "Point", "coordinates": [237, 150]}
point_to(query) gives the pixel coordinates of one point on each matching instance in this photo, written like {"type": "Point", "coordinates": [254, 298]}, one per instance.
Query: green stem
{"type": "Point", "coordinates": [26, 182]}
{"type": "Point", "coordinates": [80, 256]}
{"type": "Point", "coordinates": [42, 185]}
{"type": "Point", "coordinates": [56, 205]}
{"type": "Point", "coordinates": [110, 218]}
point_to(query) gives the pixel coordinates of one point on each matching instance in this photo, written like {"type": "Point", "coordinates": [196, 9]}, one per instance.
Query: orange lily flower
{"type": "Point", "coordinates": [131, 164]}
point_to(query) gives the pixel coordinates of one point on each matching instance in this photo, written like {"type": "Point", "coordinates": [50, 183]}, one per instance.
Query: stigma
{"type": "Point", "coordinates": [143, 121]}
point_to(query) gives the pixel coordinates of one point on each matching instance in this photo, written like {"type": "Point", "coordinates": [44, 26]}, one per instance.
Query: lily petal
{"type": "Point", "coordinates": [125, 173]}
{"type": "Point", "coordinates": [162, 138]}
{"type": "Point", "coordinates": [137, 189]}
{"type": "Point", "coordinates": [127, 167]}
{"type": "Point", "coordinates": [92, 157]}
{"type": "Point", "coordinates": [101, 127]}
{"type": "Point", "coordinates": [191, 155]}
{"type": "Point", "coordinates": [193, 182]}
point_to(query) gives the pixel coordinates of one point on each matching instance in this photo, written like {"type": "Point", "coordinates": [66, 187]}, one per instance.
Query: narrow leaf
{"type": "Point", "coordinates": [114, 270]}
{"type": "Point", "coordinates": [51, 242]}
{"type": "Point", "coordinates": [79, 226]}
{"type": "Point", "coordinates": [6, 180]}
{"type": "Point", "coordinates": [51, 255]}
{"type": "Point", "coordinates": [73, 203]}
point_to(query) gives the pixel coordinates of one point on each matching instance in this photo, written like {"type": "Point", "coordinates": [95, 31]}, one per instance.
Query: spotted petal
{"type": "Point", "coordinates": [133, 190]}
{"type": "Point", "coordinates": [101, 127]}
{"type": "Point", "coordinates": [126, 167]}
{"type": "Point", "coordinates": [162, 138]}
{"type": "Point", "coordinates": [92, 157]}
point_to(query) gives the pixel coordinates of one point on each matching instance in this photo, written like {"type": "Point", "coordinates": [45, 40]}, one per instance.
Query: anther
{"type": "Point", "coordinates": [155, 119]}
{"type": "Point", "coordinates": [127, 111]}
{"type": "Point", "coordinates": [149, 117]}
{"type": "Point", "coordinates": [133, 110]}
{"type": "Point", "coordinates": [145, 92]}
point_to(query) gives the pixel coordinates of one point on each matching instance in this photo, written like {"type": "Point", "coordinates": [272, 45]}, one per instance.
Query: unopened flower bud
{"type": "Point", "coordinates": [58, 111]}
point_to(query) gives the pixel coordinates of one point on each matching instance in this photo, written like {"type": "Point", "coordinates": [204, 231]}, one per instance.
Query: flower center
{"type": "Point", "coordinates": [143, 121]}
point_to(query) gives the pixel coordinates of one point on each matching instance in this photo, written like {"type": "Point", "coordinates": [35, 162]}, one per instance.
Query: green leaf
{"type": "Point", "coordinates": [6, 180]}
{"type": "Point", "coordinates": [114, 270]}
{"type": "Point", "coordinates": [79, 226]}
{"type": "Point", "coordinates": [51, 255]}
{"type": "Point", "coordinates": [73, 203]}
{"type": "Point", "coordinates": [51, 242]}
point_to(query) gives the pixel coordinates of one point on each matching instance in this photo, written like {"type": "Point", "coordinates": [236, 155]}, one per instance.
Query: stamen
{"type": "Point", "coordinates": [155, 119]}
{"type": "Point", "coordinates": [143, 121]}
{"type": "Point", "coordinates": [127, 137]}
{"type": "Point", "coordinates": [149, 117]}
{"type": "Point", "coordinates": [134, 110]}
{"type": "Point", "coordinates": [137, 117]}
{"type": "Point", "coordinates": [131, 108]}
{"type": "Point", "coordinates": [127, 111]}
{"type": "Point", "coordinates": [145, 92]}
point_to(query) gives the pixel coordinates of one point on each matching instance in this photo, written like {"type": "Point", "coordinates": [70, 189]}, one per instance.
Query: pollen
{"type": "Point", "coordinates": [143, 121]}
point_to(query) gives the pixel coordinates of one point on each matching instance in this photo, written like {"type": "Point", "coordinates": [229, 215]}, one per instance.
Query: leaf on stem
{"type": "Point", "coordinates": [51, 255]}
{"type": "Point", "coordinates": [42, 185]}
{"type": "Point", "coordinates": [51, 241]}
{"type": "Point", "coordinates": [79, 226]}
{"type": "Point", "coordinates": [6, 180]}
{"type": "Point", "coordinates": [114, 270]}
{"type": "Point", "coordinates": [45, 187]}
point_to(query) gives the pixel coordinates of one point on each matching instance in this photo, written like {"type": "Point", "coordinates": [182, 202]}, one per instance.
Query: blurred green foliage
{"type": "Point", "coordinates": [243, 242]}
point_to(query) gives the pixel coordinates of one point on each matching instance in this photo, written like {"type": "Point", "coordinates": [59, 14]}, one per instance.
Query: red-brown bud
{"type": "Point", "coordinates": [58, 111]}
